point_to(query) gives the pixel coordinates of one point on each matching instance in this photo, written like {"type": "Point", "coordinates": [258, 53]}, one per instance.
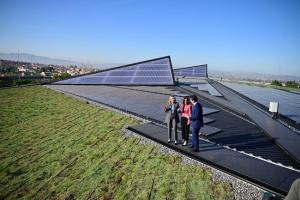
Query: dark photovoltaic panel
{"type": "Point", "coordinates": [209, 130]}
{"type": "Point", "coordinates": [152, 72]}
{"type": "Point", "coordinates": [195, 71]}
{"type": "Point", "coordinates": [207, 120]}
{"type": "Point", "coordinates": [208, 111]}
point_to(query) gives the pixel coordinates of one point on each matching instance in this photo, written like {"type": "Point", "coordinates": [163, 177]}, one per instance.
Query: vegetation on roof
{"type": "Point", "coordinates": [55, 147]}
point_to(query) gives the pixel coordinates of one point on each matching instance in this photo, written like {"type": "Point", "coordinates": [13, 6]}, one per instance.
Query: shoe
{"type": "Point", "coordinates": [176, 142]}
{"type": "Point", "coordinates": [191, 147]}
{"type": "Point", "coordinates": [195, 150]}
{"type": "Point", "coordinates": [169, 140]}
{"type": "Point", "coordinates": [185, 143]}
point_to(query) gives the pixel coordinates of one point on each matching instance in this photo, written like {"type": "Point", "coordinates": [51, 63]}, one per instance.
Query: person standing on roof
{"type": "Point", "coordinates": [197, 122]}
{"type": "Point", "coordinates": [186, 114]}
{"type": "Point", "coordinates": [172, 118]}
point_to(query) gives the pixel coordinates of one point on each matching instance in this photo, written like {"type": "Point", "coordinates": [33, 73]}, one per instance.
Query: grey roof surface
{"type": "Point", "coordinates": [210, 89]}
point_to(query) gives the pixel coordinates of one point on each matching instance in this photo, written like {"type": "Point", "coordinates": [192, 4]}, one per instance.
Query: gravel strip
{"type": "Point", "coordinates": [242, 190]}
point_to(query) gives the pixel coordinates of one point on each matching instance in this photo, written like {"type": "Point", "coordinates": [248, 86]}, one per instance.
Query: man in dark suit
{"type": "Point", "coordinates": [197, 122]}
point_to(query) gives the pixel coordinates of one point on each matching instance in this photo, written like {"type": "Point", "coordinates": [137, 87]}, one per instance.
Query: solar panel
{"type": "Point", "coordinates": [208, 111]}
{"type": "Point", "coordinates": [151, 72]}
{"type": "Point", "coordinates": [207, 120]}
{"type": "Point", "coordinates": [195, 71]}
{"type": "Point", "coordinates": [209, 130]}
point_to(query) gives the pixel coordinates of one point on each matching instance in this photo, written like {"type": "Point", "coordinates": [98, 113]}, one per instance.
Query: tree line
{"type": "Point", "coordinates": [291, 84]}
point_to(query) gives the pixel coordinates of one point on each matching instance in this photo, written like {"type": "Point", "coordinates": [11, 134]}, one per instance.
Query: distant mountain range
{"type": "Point", "coordinates": [26, 57]}
{"type": "Point", "coordinates": [31, 58]}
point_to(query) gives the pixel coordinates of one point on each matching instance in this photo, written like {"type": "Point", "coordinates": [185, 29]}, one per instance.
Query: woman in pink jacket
{"type": "Point", "coordinates": [186, 114]}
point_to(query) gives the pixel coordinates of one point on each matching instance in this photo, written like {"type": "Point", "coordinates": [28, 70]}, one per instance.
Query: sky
{"type": "Point", "coordinates": [260, 36]}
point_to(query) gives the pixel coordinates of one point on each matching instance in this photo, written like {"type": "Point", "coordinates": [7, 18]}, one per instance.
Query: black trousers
{"type": "Point", "coordinates": [185, 129]}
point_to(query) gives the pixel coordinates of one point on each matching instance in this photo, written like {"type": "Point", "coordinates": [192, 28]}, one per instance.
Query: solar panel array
{"type": "Point", "coordinates": [196, 71]}
{"type": "Point", "coordinates": [153, 72]}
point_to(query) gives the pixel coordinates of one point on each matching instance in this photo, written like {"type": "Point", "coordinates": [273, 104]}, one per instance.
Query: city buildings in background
{"type": "Point", "coordinates": [10, 68]}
